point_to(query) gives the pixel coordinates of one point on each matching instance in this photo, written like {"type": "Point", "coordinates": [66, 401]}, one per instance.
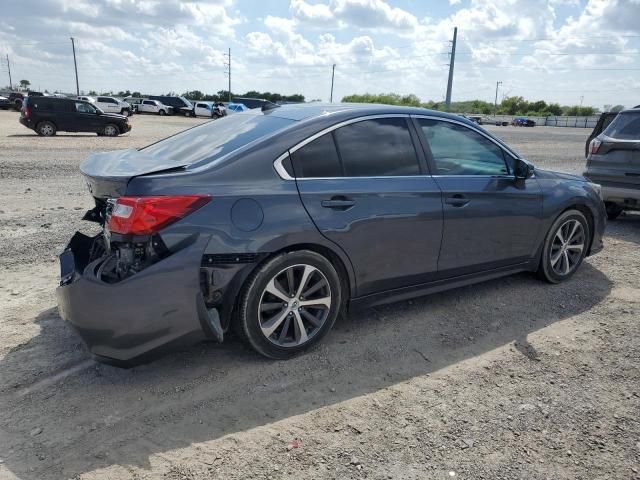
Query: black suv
{"type": "Point", "coordinates": [179, 104]}
{"type": "Point", "coordinates": [47, 115]}
{"type": "Point", "coordinates": [614, 163]}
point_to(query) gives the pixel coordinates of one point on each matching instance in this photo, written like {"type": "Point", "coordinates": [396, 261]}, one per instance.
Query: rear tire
{"type": "Point", "coordinates": [111, 130]}
{"type": "Point", "coordinates": [46, 129]}
{"type": "Point", "coordinates": [124, 112]}
{"type": "Point", "coordinates": [161, 113]}
{"type": "Point", "coordinates": [613, 210]}
{"type": "Point", "coordinates": [274, 317]}
{"type": "Point", "coordinates": [565, 246]}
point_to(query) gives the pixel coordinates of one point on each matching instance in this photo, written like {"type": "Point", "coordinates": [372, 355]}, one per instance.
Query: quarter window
{"type": "Point", "coordinates": [318, 158]}
{"type": "Point", "coordinates": [458, 150]}
{"type": "Point", "coordinates": [376, 148]}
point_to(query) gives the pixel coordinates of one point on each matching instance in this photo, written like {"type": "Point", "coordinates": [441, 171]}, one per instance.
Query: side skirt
{"type": "Point", "coordinates": [406, 293]}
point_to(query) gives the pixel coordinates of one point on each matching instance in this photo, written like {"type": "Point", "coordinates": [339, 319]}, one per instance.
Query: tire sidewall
{"type": "Point", "coordinates": [256, 285]}
{"type": "Point", "coordinates": [42, 124]}
{"type": "Point", "coordinates": [104, 131]}
{"type": "Point", "coordinates": [545, 260]}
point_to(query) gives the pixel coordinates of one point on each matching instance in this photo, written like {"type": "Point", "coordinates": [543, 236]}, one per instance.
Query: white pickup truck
{"type": "Point", "coordinates": [113, 105]}
{"type": "Point", "coordinates": [154, 106]}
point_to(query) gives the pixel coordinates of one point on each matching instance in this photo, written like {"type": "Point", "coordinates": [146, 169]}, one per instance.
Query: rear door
{"type": "Point", "coordinates": [491, 219]}
{"type": "Point", "coordinates": [617, 162]}
{"type": "Point", "coordinates": [366, 188]}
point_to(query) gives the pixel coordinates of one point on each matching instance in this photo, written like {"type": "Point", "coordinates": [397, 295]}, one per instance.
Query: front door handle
{"type": "Point", "coordinates": [338, 203]}
{"type": "Point", "coordinates": [457, 200]}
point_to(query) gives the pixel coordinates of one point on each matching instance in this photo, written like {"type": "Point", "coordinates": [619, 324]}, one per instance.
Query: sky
{"type": "Point", "coordinates": [565, 51]}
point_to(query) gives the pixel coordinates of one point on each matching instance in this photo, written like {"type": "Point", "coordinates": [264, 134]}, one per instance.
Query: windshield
{"type": "Point", "coordinates": [626, 126]}
{"type": "Point", "coordinates": [212, 140]}
{"type": "Point", "coordinates": [186, 102]}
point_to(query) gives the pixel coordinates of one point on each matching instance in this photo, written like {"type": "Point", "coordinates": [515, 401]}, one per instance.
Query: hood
{"type": "Point", "coordinates": [113, 115]}
{"type": "Point", "coordinates": [550, 174]}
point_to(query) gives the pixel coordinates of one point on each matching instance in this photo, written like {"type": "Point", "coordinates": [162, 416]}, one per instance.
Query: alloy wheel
{"type": "Point", "coordinates": [46, 130]}
{"type": "Point", "coordinates": [294, 305]}
{"type": "Point", "coordinates": [110, 131]}
{"type": "Point", "coordinates": [567, 247]}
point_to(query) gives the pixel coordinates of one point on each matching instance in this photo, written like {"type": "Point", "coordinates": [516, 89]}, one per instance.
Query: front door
{"type": "Point", "coordinates": [366, 189]}
{"type": "Point", "coordinates": [491, 219]}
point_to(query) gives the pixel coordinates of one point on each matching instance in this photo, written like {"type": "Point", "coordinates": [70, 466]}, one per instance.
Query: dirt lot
{"type": "Point", "coordinates": [509, 379]}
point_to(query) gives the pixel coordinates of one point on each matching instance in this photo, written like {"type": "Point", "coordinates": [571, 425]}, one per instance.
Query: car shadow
{"type": "Point", "coordinates": [62, 414]}
{"type": "Point", "coordinates": [57, 135]}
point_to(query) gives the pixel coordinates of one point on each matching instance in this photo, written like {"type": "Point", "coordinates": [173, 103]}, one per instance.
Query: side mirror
{"type": "Point", "coordinates": [522, 170]}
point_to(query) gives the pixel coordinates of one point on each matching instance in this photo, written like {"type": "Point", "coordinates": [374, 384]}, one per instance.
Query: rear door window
{"type": "Point", "coordinates": [626, 126]}
{"type": "Point", "coordinates": [379, 147]}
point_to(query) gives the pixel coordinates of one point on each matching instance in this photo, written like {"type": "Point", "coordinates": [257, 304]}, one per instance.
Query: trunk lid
{"type": "Point", "coordinates": [107, 173]}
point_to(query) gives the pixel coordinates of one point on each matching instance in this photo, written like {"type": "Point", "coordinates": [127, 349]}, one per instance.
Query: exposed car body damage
{"type": "Point", "coordinates": [191, 224]}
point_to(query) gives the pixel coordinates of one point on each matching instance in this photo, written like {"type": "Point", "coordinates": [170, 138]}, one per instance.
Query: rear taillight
{"type": "Point", "coordinates": [594, 146]}
{"type": "Point", "coordinates": [147, 215]}
{"type": "Point", "coordinates": [26, 112]}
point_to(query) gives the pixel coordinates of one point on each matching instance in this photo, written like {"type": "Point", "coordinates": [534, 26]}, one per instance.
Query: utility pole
{"type": "Point", "coordinates": [451, 64]}
{"type": "Point", "coordinates": [75, 64]}
{"type": "Point", "coordinates": [9, 68]}
{"type": "Point", "coordinates": [581, 99]}
{"type": "Point", "coordinates": [228, 72]}
{"type": "Point", "coordinates": [495, 102]}
{"type": "Point", "coordinates": [333, 73]}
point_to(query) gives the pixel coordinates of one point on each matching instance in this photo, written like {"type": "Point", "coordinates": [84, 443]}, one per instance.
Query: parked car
{"type": "Point", "coordinates": [603, 122]}
{"type": "Point", "coordinates": [523, 122]}
{"type": "Point", "coordinates": [113, 105]}
{"type": "Point", "coordinates": [86, 98]}
{"type": "Point", "coordinates": [477, 119]}
{"type": "Point", "coordinates": [5, 104]}
{"type": "Point", "coordinates": [210, 109]}
{"type": "Point", "coordinates": [251, 103]}
{"type": "Point", "coordinates": [502, 123]}
{"type": "Point", "coordinates": [236, 107]}
{"type": "Point", "coordinates": [154, 106]}
{"type": "Point", "coordinates": [254, 222]}
{"type": "Point", "coordinates": [179, 104]}
{"type": "Point", "coordinates": [614, 163]}
{"type": "Point", "coordinates": [48, 115]}
{"type": "Point", "coordinates": [134, 102]}
{"type": "Point", "coordinates": [16, 99]}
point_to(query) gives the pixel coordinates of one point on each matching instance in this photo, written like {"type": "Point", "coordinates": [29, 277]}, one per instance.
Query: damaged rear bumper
{"type": "Point", "coordinates": [158, 309]}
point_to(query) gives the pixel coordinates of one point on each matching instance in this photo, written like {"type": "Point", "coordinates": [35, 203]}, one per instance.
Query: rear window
{"type": "Point", "coordinates": [626, 126]}
{"type": "Point", "coordinates": [212, 140]}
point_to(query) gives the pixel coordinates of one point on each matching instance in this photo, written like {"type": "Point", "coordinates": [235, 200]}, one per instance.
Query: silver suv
{"type": "Point", "coordinates": [614, 163]}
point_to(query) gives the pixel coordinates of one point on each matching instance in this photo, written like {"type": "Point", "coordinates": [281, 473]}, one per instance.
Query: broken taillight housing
{"type": "Point", "coordinates": [147, 215]}
{"type": "Point", "coordinates": [594, 146]}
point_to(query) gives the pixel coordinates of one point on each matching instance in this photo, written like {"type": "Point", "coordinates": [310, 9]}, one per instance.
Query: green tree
{"type": "Point", "coordinates": [617, 108]}
{"type": "Point", "coordinates": [25, 84]}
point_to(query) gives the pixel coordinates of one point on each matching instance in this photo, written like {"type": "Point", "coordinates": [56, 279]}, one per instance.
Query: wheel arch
{"type": "Point", "coordinates": [234, 290]}
{"type": "Point", "coordinates": [586, 211]}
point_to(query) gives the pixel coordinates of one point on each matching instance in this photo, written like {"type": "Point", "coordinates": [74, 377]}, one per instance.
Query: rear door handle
{"type": "Point", "coordinates": [457, 200]}
{"type": "Point", "coordinates": [338, 203]}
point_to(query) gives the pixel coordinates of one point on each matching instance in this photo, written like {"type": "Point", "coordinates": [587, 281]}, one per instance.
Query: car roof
{"type": "Point", "coordinates": [309, 111]}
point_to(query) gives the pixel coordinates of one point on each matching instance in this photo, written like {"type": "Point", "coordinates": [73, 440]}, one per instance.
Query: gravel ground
{"type": "Point", "coordinates": [512, 378]}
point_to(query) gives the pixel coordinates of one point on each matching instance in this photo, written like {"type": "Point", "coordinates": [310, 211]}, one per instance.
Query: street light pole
{"type": "Point", "coordinates": [333, 73]}
{"type": "Point", "coordinates": [75, 64]}
{"type": "Point", "coordinates": [495, 102]}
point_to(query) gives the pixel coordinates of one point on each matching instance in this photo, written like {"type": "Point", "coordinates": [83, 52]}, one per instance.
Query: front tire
{"type": "Point", "coordinates": [565, 246]}
{"type": "Point", "coordinates": [161, 113]}
{"type": "Point", "coordinates": [46, 129]}
{"type": "Point", "coordinates": [110, 130]}
{"type": "Point", "coordinates": [124, 112]}
{"type": "Point", "coordinates": [289, 304]}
